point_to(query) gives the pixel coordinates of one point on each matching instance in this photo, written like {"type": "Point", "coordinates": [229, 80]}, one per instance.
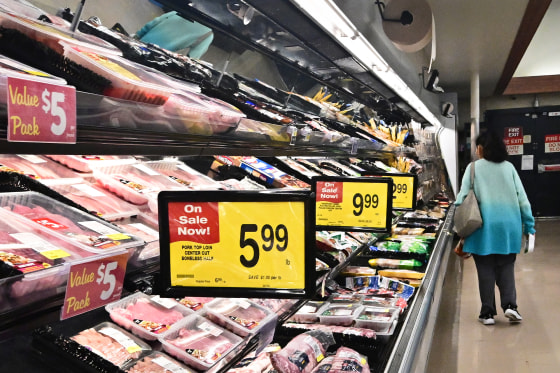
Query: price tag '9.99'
{"type": "Point", "coordinates": [41, 112]}
{"type": "Point", "coordinates": [353, 204]}
{"type": "Point", "coordinates": [237, 244]}
{"type": "Point", "coordinates": [94, 284]}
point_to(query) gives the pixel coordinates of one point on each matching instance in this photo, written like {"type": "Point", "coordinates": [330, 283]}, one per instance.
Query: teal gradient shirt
{"type": "Point", "coordinates": [504, 206]}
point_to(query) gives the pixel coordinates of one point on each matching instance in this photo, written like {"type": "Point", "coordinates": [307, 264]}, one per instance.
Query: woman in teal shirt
{"type": "Point", "coordinates": [506, 215]}
{"type": "Point", "coordinates": [176, 34]}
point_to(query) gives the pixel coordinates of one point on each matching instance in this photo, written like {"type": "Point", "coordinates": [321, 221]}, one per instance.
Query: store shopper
{"type": "Point", "coordinates": [506, 215]}
{"type": "Point", "coordinates": [177, 34]}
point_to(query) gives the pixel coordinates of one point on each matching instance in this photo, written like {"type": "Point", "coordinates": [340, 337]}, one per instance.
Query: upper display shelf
{"type": "Point", "coordinates": [137, 98]}
{"type": "Point", "coordinates": [280, 30]}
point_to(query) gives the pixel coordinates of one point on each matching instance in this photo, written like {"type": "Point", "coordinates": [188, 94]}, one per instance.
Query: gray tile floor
{"type": "Point", "coordinates": [461, 344]}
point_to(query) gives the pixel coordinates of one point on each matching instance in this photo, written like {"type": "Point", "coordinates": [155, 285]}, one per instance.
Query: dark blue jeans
{"type": "Point", "coordinates": [496, 270]}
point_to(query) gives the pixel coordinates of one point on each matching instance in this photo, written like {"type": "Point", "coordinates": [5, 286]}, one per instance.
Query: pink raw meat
{"type": "Point", "coordinates": [348, 360]}
{"type": "Point", "coordinates": [301, 354]}
{"type": "Point", "coordinates": [156, 319]}
{"type": "Point", "coordinates": [202, 345]}
{"type": "Point", "coordinates": [249, 317]}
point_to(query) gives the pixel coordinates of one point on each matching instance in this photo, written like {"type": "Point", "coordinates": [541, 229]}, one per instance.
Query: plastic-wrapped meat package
{"type": "Point", "coordinates": [146, 316]}
{"type": "Point", "coordinates": [37, 167]}
{"type": "Point", "coordinates": [184, 175]}
{"type": "Point", "coordinates": [97, 201]}
{"type": "Point", "coordinates": [149, 235]}
{"type": "Point", "coordinates": [277, 306]}
{"type": "Point", "coordinates": [198, 342]}
{"type": "Point", "coordinates": [256, 363]}
{"type": "Point", "coordinates": [112, 343]}
{"type": "Point", "coordinates": [86, 163]}
{"type": "Point", "coordinates": [136, 183]}
{"type": "Point", "coordinates": [303, 353]}
{"type": "Point", "coordinates": [348, 360]}
{"type": "Point", "coordinates": [360, 332]}
{"type": "Point", "coordinates": [87, 233]}
{"type": "Point", "coordinates": [238, 315]}
{"type": "Point", "coordinates": [157, 362]}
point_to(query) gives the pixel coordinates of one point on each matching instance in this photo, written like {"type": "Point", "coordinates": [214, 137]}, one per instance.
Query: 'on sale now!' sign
{"type": "Point", "coordinates": [41, 112]}
{"type": "Point", "coordinates": [513, 138]}
{"type": "Point", "coordinates": [552, 143]}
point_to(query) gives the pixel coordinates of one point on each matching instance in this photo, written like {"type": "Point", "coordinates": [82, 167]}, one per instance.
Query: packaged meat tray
{"type": "Point", "coordinates": [187, 115]}
{"type": "Point", "coordinates": [86, 163]}
{"type": "Point", "coordinates": [184, 175]}
{"type": "Point", "coordinates": [146, 316]}
{"type": "Point", "coordinates": [157, 362]}
{"type": "Point", "coordinates": [308, 313]}
{"type": "Point", "coordinates": [377, 318]}
{"type": "Point", "coordinates": [136, 183]}
{"type": "Point", "coordinates": [339, 313]}
{"type": "Point", "coordinates": [128, 80]}
{"type": "Point", "coordinates": [222, 112]}
{"type": "Point", "coordinates": [39, 168]}
{"type": "Point", "coordinates": [198, 342]}
{"type": "Point", "coordinates": [239, 315]}
{"type": "Point", "coordinates": [113, 343]}
{"type": "Point", "coordinates": [85, 231]}
{"type": "Point", "coordinates": [41, 258]}
{"type": "Point", "coordinates": [346, 298]}
{"type": "Point", "coordinates": [97, 200]}
{"type": "Point", "coordinates": [149, 253]}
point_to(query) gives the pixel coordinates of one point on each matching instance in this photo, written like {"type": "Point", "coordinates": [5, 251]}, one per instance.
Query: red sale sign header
{"type": "Point", "coordinates": [41, 112]}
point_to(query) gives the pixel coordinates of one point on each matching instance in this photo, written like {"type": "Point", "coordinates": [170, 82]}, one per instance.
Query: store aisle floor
{"type": "Point", "coordinates": [461, 344]}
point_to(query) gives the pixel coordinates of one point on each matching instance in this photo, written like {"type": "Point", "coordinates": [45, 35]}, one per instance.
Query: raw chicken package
{"type": "Point", "coordinates": [303, 353]}
{"type": "Point", "coordinates": [157, 362]}
{"type": "Point", "coordinates": [89, 233]}
{"type": "Point", "coordinates": [97, 200]}
{"type": "Point", "coordinates": [112, 343]}
{"type": "Point", "coordinates": [199, 342]}
{"type": "Point", "coordinates": [136, 183]}
{"type": "Point", "coordinates": [38, 168]}
{"type": "Point", "coordinates": [146, 316]}
{"type": "Point", "coordinates": [241, 316]}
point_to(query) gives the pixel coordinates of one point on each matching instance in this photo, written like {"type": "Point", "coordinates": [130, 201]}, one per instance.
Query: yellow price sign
{"type": "Point", "coordinates": [237, 244]}
{"type": "Point", "coordinates": [353, 204]}
{"type": "Point", "coordinates": [404, 191]}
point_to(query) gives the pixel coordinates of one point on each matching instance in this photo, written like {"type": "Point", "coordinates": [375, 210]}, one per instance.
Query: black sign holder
{"type": "Point", "coordinates": [388, 215]}
{"type": "Point", "coordinates": [217, 289]}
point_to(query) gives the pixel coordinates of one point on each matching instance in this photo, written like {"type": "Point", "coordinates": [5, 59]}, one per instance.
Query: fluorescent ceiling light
{"type": "Point", "coordinates": [329, 17]}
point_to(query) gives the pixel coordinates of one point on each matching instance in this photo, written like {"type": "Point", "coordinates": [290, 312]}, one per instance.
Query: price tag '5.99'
{"type": "Point", "coordinates": [41, 112]}
{"type": "Point", "coordinates": [94, 284]}
{"type": "Point", "coordinates": [247, 244]}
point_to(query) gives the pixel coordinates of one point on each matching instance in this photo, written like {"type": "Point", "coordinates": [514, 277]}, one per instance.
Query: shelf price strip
{"type": "Point", "coordinates": [234, 244]}
{"type": "Point", "coordinates": [40, 112]}
{"type": "Point", "coordinates": [353, 203]}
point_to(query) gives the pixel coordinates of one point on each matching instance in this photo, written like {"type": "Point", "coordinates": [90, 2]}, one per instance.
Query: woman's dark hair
{"type": "Point", "coordinates": [494, 148]}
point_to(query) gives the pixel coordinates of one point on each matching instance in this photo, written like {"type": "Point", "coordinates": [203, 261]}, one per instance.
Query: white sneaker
{"type": "Point", "coordinates": [486, 320]}
{"type": "Point", "coordinates": [513, 315]}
